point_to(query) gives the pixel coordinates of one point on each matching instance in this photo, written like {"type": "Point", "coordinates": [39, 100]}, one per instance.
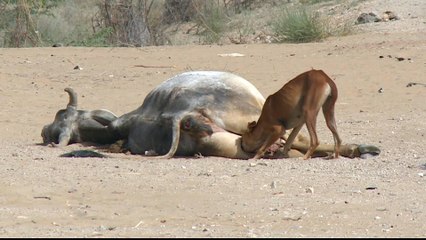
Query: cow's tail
{"type": "Point", "coordinates": [175, 138]}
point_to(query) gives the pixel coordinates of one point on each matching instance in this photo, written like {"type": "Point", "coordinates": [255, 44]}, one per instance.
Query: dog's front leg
{"type": "Point", "coordinates": [291, 138]}
{"type": "Point", "coordinates": [269, 141]}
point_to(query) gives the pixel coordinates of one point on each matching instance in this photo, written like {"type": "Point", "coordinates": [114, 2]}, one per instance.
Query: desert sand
{"type": "Point", "coordinates": [44, 195]}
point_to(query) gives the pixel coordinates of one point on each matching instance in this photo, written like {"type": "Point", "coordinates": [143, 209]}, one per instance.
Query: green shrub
{"type": "Point", "coordinates": [299, 25]}
{"type": "Point", "coordinates": [68, 23]}
{"type": "Point", "coordinates": [212, 19]}
{"type": "Point", "coordinates": [99, 39]}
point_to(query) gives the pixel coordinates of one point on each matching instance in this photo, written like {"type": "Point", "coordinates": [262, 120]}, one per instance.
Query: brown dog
{"type": "Point", "coordinates": [296, 103]}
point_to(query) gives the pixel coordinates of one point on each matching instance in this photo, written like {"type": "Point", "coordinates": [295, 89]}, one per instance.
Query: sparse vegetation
{"type": "Point", "coordinates": [17, 24]}
{"type": "Point", "coordinates": [70, 24]}
{"type": "Point", "coordinates": [212, 19]}
{"type": "Point", "coordinates": [313, 1]}
{"type": "Point", "coordinates": [300, 24]}
{"type": "Point", "coordinates": [26, 23]}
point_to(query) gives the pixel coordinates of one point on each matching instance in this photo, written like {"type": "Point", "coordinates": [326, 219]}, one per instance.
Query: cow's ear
{"type": "Point", "coordinates": [251, 125]}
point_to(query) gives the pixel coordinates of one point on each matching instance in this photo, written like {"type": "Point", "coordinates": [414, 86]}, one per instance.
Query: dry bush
{"type": "Point", "coordinates": [22, 31]}
{"type": "Point", "coordinates": [178, 11]}
{"type": "Point", "coordinates": [127, 19]}
{"type": "Point", "coordinates": [70, 24]}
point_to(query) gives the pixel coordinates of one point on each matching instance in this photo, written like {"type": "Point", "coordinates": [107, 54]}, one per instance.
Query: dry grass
{"type": "Point", "coordinates": [169, 22]}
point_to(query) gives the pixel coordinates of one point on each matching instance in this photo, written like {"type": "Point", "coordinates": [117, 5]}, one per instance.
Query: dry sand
{"type": "Point", "coordinates": [43, 195]}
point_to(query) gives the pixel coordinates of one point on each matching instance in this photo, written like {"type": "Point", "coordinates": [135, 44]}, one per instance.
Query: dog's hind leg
{"type": "Point", "coordinates": [328, 111]}
{"type": "Point", "coordinates": [311, 121]}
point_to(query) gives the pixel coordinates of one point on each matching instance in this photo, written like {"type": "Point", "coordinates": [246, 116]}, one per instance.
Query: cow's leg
{"type": "Point", "coordinates": [64, 138]}
{"type": "Point", "coordinates": [301, 144]}
{"type": "Point", "coordinates": [91, 130]}
{"type": "Point", "coordinates": [103, 116]}
{"type": "Point", "coordinates": [223, 144]}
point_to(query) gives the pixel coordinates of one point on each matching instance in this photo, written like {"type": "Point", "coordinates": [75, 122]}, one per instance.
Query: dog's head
{"type": "Point", "coordinates": [248, 141]}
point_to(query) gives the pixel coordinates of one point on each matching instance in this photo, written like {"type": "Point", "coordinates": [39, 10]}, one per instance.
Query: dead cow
{"type": "Point", "coordinates": [199, 112]}
{"type": "Point", "coordinates": [297, 103]}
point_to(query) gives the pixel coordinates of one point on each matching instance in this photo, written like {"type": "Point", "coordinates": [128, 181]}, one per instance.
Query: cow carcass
{"type": "Point", "coordinates": [197, 112]}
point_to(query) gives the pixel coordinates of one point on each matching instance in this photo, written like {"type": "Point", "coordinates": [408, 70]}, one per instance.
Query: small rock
{"type": "Point", "coordinates": [96, 234]}
{"type": "Point", "coordinates": [389, 16]}
{"type": "Point", "coordinates": [380, 90]}
{"type": "Point", "coordinates": [309, 190]}
{"type": "Point", "coordinates": [72, 190]}
{"type": "Point", "coordinates": [102, 228]}
{"type": "Point", "coordinates": [78, 68]}
{"type": "Point", "coordinates": [151, 153]}
{"type": "Point", "coordinates": [367, 18]}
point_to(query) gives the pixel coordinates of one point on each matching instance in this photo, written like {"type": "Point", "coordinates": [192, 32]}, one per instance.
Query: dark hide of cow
{"type": "Point", "coordinates": [72, 126]}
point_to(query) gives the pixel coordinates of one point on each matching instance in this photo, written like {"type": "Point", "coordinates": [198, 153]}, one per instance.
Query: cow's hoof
{"type": "Point", "coordinates": [367, 151]}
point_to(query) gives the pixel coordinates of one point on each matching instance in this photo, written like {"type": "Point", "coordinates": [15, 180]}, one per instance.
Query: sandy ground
{"type": "Point", "coordinates": [44, 195]}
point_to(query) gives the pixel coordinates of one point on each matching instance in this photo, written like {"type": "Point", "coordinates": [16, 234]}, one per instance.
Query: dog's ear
{"type": "Point", "coordinates": [251, 125]}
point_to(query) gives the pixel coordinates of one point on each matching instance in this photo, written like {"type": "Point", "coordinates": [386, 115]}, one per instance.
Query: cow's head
{"type": "Point", "coordinates": [197, 125]}
{"type": "Point", "coordinates": [60, 130]}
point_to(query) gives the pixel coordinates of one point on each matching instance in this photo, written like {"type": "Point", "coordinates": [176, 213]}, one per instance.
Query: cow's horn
{"type": "Point", "coordinates": [73, 97]}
